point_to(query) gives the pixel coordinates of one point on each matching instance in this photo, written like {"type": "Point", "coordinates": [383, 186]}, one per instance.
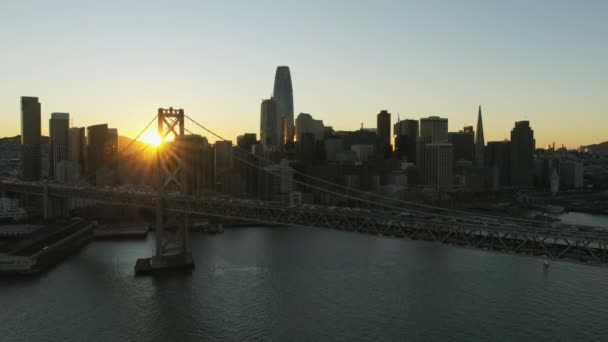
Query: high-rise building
{"type": "Point", "coordinates": [438, 165]}
{"type": "Point", "coordinates": [283, 96]}
{"type": "Point", "coordinates": [96, 148]}
{"type": "Point", "coordinates": [406, 137]}
{"type": "Point", "coordinates": [191, 148]}
{"type": "Point", "coordinates": [435, 169]}
{"type": "Point", "coordinates": [522, 155]}
{"type": "Point", "coordinates": [306, 124]}
{"type": "Point", "coordinates": [383, 129]}
{"type": "Point", "coordinates": [333, 146]}
{"type": "Point", "coordinates": [269, 137]}
{"type": "Point", "coordinates": [463, 143]}
{"type": "Point", "coordinates": [246, 141]}
{"type": "Point", "coordinates": [479, 142]}
{"type": "Point", "coordinates": [59, 125]}
{"type": "Point", "coordinates": [30, 139]}
{"type": "Point", "coordinates": [498, 160]}
{"type": "Point", "coordinates": [305, 148]}
{"type": "Point", "coordinates": [223, 156]}
{"type": "Point", "coordinates": [433, 129]}
{"type": "Point", "coordinates": [77, 147]}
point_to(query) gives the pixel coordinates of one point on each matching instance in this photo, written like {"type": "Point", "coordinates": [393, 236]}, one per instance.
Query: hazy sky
{"type": "Point", "coordinates": [117, 62]}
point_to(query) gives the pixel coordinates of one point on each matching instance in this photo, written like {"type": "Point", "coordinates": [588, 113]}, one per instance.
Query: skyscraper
{"type": "Point", "coordinates": [283, 97]}
{"type": "Point", "coordinates": [479, 142]}
{"type": "Point", "coordinates": [433, 129]}
{"type": "Point", "coordinates": [463, 144]}
{"type": "Point", "coordinates": [438, 165]}
{"type": "Point", "coordinates": [30, 138]}
{"type": "Point", "coordinates": [435, 154]}
{"type": "Point", "coordinates": [406, 137]}
{"type": "Point", "coordinates": [383, 129]}
{"type": "Point", "coordinates": [96, 148]}
{"type": "Point", "coordinates": [522, 152]}
{"type": "Point", "coordinates": [59, 125]}
{"type": "Point", "coordinates": [269, 137]}
{"type": "Point", "coordinates": [77, 147]}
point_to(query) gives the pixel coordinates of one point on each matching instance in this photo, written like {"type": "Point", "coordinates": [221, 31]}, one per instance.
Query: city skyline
{"type": "Point", "coordinates": [519, 66]}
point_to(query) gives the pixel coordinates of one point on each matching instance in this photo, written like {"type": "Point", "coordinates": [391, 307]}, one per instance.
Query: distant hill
{"type": "Point", "coordinates": [601, 148]}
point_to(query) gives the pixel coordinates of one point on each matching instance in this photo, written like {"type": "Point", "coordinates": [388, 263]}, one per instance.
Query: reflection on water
{"type": "Point", "coordinates": [307, 284]}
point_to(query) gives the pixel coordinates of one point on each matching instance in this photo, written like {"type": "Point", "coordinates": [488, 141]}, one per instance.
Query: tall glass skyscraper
{"type": "Point", "coordinates": [283, 97]}
{"type": "Point", "coordinates": [30, 138]}
{"type": "Point", "coordinates": [59, 125]}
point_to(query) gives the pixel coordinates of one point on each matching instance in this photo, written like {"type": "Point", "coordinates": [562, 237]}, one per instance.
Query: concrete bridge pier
{"type": "Point", "coordinates": [53, 207]}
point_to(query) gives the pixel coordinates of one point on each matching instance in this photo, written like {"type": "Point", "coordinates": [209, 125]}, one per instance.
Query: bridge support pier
{"type": "Point", "coordinates": [53, 207]}
{"type": "Point", "coordinates": [172, 241]}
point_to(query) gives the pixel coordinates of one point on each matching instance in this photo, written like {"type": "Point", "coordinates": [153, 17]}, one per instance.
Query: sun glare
{"type": "Point", "coordinates": [152, 138]}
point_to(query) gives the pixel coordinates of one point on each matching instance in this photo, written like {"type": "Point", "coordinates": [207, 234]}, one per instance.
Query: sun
{"type": "Point", "coordinates": [152, 138]}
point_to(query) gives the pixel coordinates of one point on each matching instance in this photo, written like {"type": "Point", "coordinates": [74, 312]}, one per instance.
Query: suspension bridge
{"type": "Point", "coordinates": [372, 213]}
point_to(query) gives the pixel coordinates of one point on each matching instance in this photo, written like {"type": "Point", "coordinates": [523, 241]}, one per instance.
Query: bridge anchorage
{"type": "Point", "coordinates": [173, 250]}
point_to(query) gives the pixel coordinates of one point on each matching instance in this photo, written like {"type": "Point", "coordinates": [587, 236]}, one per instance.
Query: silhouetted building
{"type": "Point", "coordinates": [571, 174]}
{"type": "Point", "coordinates": [333, 146]}
{"type": "Point", "coordinates": [438, 165]}
{"type": "Point", "coordinates": [433, 129]}
{"type": "Point", "coordinates": [305, 148]}
{"type": "Point", "coordinates": [223, 156]}
{"type": "Point", "coordinates": [269, 125]}
{"type": "Point", "coordinates": [59, 125]}
{"type": "Point", "coordinates": [30, 139]}
{"type": "Point", "coordinates": [283, 96]}
{"type": "Point", "coordinates": [406, 136]}
{"type": "Point", "coordinates": [77, 147]}
{"type": "Point", "coordinates": [522, 155]}
{"type": "Point", "coordinates": [246, 141]}
{"type": "Point", "coordinates": [277, 182]}
{"type": "Point", "coordinates": [479, 142]}
{"type": "Point", "coordinates": [463, 143]}
{"type": "Point", "coordinates": [97, 136]}
{"type": "Point", "coordinates": [383, 129]}
{"type": "Point", "coordinates": [191, 149]}
{"type": "Point", "coordinates": [306, 124]}
{"type": "Point", "coordinates": [435, 169]}
{"type": "Point", "coordinates": [498, 160]}
{"type": "Point", "coordinates": [246, 164]}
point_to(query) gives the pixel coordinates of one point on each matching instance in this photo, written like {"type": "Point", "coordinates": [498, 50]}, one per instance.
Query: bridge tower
{"type": "Point", "coordinates": [172, 234]}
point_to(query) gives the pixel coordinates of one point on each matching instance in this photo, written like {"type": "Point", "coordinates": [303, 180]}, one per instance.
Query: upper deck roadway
{"type": "Point", "coordinates": [551, 240]}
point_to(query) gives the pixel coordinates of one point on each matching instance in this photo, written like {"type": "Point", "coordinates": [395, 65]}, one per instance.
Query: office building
{"type": "Point", "coordinates": [433, 130]}
{"type": "Point", "coordinates": [498, 160]}
{"type": "Point", "coordinates": [283, 97]}
{"type": "Point", "coordinates": [383, 129]}
{"type": "Point", "coordinates": [97, 136]}
{"type": "Point", "coordinates": [333, 146]}
{"type": "Point", "coordinates": [59, 125]}
{"type": "Point", "coordinates": [522, 154]}
{"type": "Point", "coordinates": [77, 142]}
{"type": "Point", "coordinates": [463, 142]}
{"type": "Point", "coordinates": [438, 166]}
{"type": "Point", "coordinates": [406, 137]}
{"type": "Point", "coordinates": [269, 125]}
{"type": "Point", "coordinates": [306, 124]}
{"type": "Point", "coordinates": [30, 139]}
